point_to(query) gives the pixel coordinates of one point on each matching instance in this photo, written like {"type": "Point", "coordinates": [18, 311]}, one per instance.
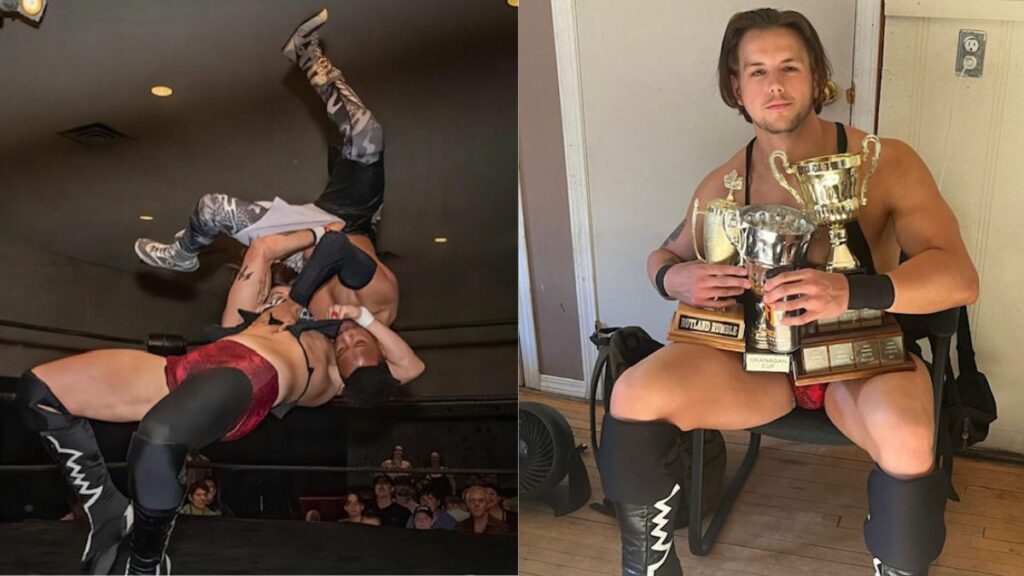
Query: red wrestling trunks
{"type": "Point", "coordinates": [230, 354]}
{"type": "Point", "coordinates": [810, 397]}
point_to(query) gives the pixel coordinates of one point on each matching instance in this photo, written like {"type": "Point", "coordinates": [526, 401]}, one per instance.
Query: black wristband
{"type": "Point", "coordinates": [874, 291]}
{"type": "Point", "coordinates": [659, 280]}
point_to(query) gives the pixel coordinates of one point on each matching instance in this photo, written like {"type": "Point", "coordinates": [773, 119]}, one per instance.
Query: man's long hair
{"type": "Point", "coordinates": [766, 19]}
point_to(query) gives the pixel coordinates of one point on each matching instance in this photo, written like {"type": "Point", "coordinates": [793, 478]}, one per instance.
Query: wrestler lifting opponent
{"type": "Point", "coordinates": [273, 361]}
{"type": "Point", "coordinates": [773, 69]}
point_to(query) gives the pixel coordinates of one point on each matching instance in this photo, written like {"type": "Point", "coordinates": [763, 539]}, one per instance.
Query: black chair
{"type": "Point", "coordinates": [814, 427]}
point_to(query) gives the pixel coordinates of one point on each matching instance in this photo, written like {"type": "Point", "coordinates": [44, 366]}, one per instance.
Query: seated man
{"type": "Point", "coordinates": [354, 193]}
{"type": "Point", "coordinates": [275, 360]}
{"type": "Point", "coordinates": [773, 69]}
{"type": "Point", "coordinates": [480, 520]}
{"type": "Point", "coordinates": [391, 513]}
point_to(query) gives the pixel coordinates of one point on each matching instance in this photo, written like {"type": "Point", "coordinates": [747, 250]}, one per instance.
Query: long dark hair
{"type": "Point", "coordinates": [766, 19]}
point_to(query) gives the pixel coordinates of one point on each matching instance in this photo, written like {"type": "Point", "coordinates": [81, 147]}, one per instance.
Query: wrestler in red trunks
{"type": "Point", "coordinates": [228, 353]}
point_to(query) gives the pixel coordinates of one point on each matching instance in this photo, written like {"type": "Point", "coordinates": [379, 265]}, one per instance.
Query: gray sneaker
{"type": "Point", "coordinates": [168, 256]}
{"type": "Point", "coordinates": [306, 32]}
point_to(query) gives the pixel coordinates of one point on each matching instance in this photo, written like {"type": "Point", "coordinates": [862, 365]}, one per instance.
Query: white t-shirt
{"type": "Point", "coordinates": [284, 217]}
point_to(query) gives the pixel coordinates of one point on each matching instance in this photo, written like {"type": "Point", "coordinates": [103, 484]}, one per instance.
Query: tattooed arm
{"type": "Point", "coordinates": [689, 280]}
{"type": "Point", "coordinates": [249, 290]}
{"type": "Point", "coordinates": [252, 283]}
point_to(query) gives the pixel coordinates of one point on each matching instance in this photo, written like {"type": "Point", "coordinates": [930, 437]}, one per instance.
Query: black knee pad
{"type": "Point", "coordinates": [32, 394]}
{"type": "Point", "coordinates": [639, 461]}
{"type": "Point", "coordinates": [156, 473]}
{"type": "Point", "coordinates": [334, 255]}
{"type": "Point", "coordinates": [359, 267]}
{"type": "Point", "coordinates": [906, 528]}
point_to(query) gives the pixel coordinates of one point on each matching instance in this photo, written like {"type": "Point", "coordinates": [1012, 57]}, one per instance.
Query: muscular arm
{"type": "Point", "coordinates": [250, 288]}
{"type": "Point", "coordinates": [690, 280]}
{"type": "Point", "coordinates": [403, 362]}
{"type": "Point", "coordinates": [252, 283]}
{"type": "Point", "coordinates": [939, 273]}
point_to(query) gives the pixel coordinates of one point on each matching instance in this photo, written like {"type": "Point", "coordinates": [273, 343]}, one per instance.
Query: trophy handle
{"type": "Point", "coordinates": [732, 225]}
{"type": "Point", "coordinates": [733, 228]}
{"type": "Point", "coordinates": [693, 228]}
{"type": "Point", "coordinates": [870, 138]}
{"type": "Point", "coordinates": [780, 178]}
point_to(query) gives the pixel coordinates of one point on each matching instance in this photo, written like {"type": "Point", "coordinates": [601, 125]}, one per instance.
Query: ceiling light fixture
{"type": "Point", "coordinates": [161, 91]}
{"type": "Point", "coordinates": [31, 9]}
{"type": "Point", "coordinates": [440, 240]}
{"type": "Point", "coordinates": [145, 218]}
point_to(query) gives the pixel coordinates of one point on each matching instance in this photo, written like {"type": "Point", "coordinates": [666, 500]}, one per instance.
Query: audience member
{"type": "Point", "coordinates": [422, 518]}
{"type": "Point", "coordinates": [355, 510]}
{"type": "Point", "coordinates": [441, 520]}
{"type": "Point", "coordinates": [313, 516]}
{"type": "Point", "coordinates": [441, 483]}
{"type": "Point", "coordinates": [391, 513]}
{"type": "Point", "coordinates": [456, 508]}
{"type": "Point", "coordinates": [213, 497]}
{"type": "Point", "coordinates": [480, 520]}
{"type": "Point", "coordinates": [497, 509]}
{"type": "Point", "coordinates": [405, 495]}
{"type": "Point", "coordinates": [396, 462]}
{"type": "Point", "coordinates": [196, 505]}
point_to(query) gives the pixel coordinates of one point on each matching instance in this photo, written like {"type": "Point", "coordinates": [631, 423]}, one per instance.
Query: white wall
{"type": "Point", "coordinates": [982, 162]}
{"type": "Point", "coordinates": [656, 125]}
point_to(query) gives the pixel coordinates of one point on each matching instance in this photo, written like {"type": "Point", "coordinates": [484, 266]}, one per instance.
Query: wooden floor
{"type": "Point", "coordinates": [801, 513]}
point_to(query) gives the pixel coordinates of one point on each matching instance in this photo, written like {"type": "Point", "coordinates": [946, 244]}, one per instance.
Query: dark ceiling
{"type": "Point", "coordinates": [439, 74]}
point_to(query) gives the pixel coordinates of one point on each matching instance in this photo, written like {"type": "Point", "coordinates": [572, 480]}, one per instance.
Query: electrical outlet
{"type": "Point", "coordinates": [970, 53]}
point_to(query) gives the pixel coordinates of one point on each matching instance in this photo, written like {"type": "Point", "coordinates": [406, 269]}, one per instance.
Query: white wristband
{"type": "Point", "coordinates": [365, 317]}
{"type": "Point", "coordinates": [318, 233]}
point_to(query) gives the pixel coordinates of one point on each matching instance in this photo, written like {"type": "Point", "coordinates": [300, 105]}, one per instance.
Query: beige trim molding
{"type": "Point", "coordinates": [563, 386]}
{"type": "Point", "coordinates": [527, 330]}
{"type": "Point", "coordinates": [866, 41]}
{"type": "Point", "coordinates": [563, 15]}
{"type": "Point", "coordinates": [1010, 10]}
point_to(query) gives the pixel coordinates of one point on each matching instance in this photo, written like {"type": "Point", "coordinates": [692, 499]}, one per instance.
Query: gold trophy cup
{"type": "Point", "coordinates": [859, 343]}
{"type": "Point", "coordinates": [721, 328]}
{"type": "Point", "coordinates": [830, 194]}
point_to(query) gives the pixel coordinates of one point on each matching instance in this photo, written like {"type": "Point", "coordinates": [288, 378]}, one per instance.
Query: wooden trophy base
{"type": "Point", "coordinates": [721, 328]}
{"type": "Point", "coordinates": [858, 344]}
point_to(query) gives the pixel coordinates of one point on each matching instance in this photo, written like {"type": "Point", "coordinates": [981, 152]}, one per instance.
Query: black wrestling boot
{"type": "Point", "coordinates": [71, 443]}
{"type": "Point", "coordinates": [884, 570]}
{"type": "Point", "coordinates": [149, 539]}
{"type": "Point", "coordinates": [109, 513]}
{"type": "Point", "coordinates": [646, 532]}
{"type": "Point", "coordinates": [641, 472]}
{"type": "Point", "coordinates": [905, 529]}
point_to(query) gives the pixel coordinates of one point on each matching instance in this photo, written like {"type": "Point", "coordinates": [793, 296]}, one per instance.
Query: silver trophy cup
{"type": "Point", "coordinates": [772, 236]}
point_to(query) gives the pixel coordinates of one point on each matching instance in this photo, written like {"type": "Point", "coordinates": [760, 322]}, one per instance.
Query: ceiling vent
{"type": "Point", "coordinates": [95, 135]}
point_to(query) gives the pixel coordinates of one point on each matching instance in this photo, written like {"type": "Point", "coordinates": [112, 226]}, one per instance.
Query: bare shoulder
{"type": "Point", "coordinates": [895, 155]}
{"type": "Point", "coordinates": [711, 187]}
{"type": "Point", "coordinates": [713, 184]}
